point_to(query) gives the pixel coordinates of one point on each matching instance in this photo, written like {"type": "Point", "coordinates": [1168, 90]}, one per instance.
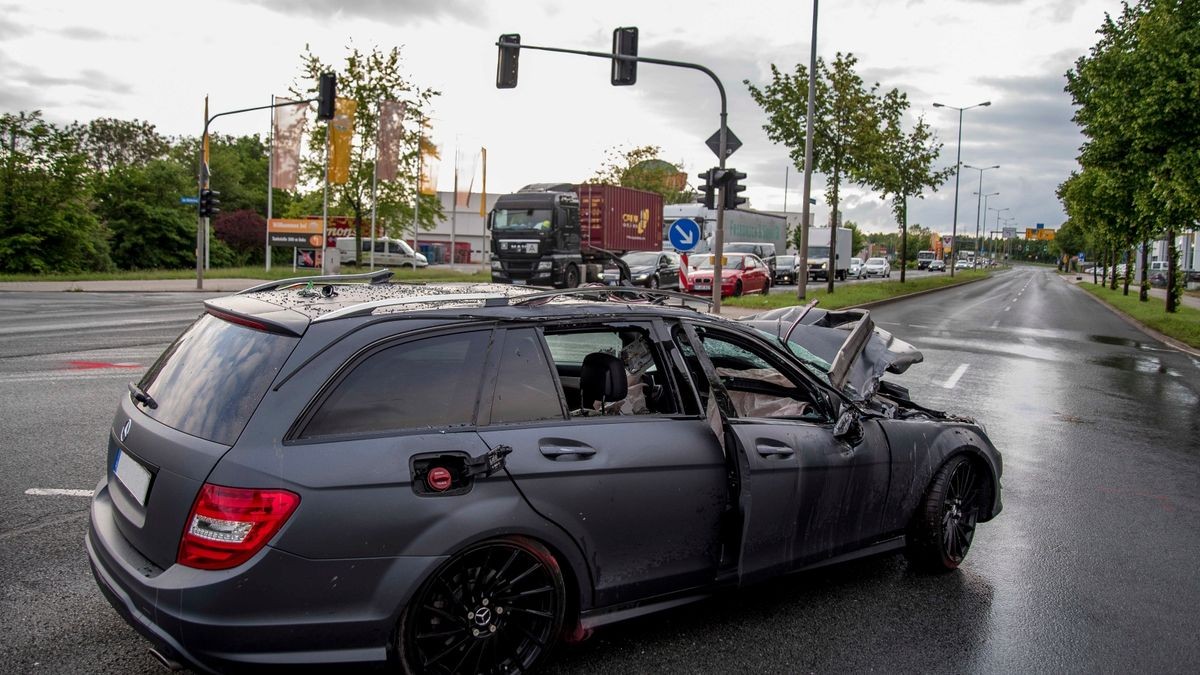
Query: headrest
{"type": "Point", "coordinates": [602, 378]}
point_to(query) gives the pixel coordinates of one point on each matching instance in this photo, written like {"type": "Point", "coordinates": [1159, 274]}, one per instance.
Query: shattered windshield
{"type": "Point", "coordinates": [815, 364]}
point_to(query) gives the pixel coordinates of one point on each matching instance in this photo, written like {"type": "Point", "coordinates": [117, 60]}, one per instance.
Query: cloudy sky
{"type": "Point", "coordinates": [157, 60]}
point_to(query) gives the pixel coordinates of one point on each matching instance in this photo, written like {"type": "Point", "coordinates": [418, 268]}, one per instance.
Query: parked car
{"type": "Point", "coordinates": [388, 253]}
{"type": "Point", "coordinates": [937, 265]}
{"type": "Point", "coordinates": [740, 273]}
{"type": "Point", "coordinates": [426, 477]}
{"type": "Point", "coordinates": [856, 268]}
{"type": "Point", "coordinates": [764, 250]}
{"type": "Point", "coordinates": [786, 269]}
{"type": "Point", "coordinates": [648, 268]}
{"type": "Point", "coordinates": [877, 267]}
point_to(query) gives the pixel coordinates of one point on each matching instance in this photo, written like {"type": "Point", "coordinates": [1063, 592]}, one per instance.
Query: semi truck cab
{"type": "Point", "coordinates": [535, 237]}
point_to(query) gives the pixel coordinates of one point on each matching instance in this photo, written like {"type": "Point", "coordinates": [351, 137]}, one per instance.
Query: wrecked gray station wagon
{"type": "Point", "coordinates": [453, 478]}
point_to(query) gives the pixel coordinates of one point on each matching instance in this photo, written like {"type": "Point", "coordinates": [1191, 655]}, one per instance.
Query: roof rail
{"type": "Point", "coordinates": [364, 308]}
{"type": "Point", "coordinates": [501, 300]}
{"type": "Point", "coordinates": [376, 277]}
{"type": "Point", "coordinates": [655, 296]}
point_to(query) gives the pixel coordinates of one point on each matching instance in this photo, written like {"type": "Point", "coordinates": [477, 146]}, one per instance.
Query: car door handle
{"type": "Point", "coordinates": [767, 449]}
{"type": "Point", "coordinates": [567, 453]}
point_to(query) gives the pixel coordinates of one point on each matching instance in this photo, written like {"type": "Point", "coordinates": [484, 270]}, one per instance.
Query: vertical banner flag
{"type": "Point", "coordinates": [204, 149]}
{"type": "Point", "coordinates": [288, 124]}
{"type": "Point", "coordinates": [483, 199]}
{"type": "Point", "coordinates": [341, 130]}
{"type": "Point", "coordinates": [430, 154]}
{"type": "Point", "coordinates": [390, 139]}
{"type": "Point", "coordinates": [464, 169]}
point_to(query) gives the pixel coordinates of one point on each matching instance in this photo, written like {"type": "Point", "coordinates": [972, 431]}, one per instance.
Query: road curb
{"type": "Point", "coordinates": [917, 294]}
{"type": "Point", "coordinates": [1165, 339]}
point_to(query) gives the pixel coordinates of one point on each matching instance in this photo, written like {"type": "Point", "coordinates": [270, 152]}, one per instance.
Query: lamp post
{"type": "Point", "coordinates": [978, 201]}
{"type": "Point", "coordinates": [998, 211]}
{"type": "Point", "coordinates": [985, 210]}
{"type": "Point", "coordinates": [957, 171]}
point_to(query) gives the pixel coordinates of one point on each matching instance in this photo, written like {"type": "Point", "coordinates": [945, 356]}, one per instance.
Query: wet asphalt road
{"type": "Point", "coordinates": [1090, 568]}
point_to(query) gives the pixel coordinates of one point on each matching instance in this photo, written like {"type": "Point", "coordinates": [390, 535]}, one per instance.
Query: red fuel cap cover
{"type": "Point", "coordinates": [439, 478]}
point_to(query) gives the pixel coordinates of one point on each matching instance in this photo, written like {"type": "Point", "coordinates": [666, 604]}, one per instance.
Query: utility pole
{"type": "Point", "coordinates": [806, 210]}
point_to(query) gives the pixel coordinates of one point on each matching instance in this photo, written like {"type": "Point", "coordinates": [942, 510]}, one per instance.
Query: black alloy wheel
{"type": "Point", "coordinates": [571, 276]}
{"type": "Point", "coordinates": [495, 608]}
{"type": "Point", "coordinates": [945, 522]}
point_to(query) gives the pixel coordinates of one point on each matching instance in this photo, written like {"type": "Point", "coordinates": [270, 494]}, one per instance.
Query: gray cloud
{"type": "Point", "coordinates": [84, 33]}
{"type": "Point", "coordinates": [398, 12]}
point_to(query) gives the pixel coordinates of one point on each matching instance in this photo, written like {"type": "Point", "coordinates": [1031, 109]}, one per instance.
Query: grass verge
{"type": "Point", "coordinates": [849, 295]}
{"type": "Point", "coordinates": [1183, 325]}
{"type": "Point", "coordinates": [426, 274]}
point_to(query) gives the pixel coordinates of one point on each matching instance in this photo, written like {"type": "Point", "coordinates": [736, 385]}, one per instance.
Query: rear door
{"type": "Point", "coordinates": [640, 486]}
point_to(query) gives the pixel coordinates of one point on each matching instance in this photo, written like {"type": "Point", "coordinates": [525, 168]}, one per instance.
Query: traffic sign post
{"type": "Point", "coordinates": [684, 234]}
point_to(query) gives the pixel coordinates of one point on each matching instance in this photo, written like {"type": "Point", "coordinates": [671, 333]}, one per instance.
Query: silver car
{"type": "Point", "coordinates": [877, 267]}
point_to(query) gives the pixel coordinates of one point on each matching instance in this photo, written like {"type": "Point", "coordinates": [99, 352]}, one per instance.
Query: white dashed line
{"type": "Point", "coordinates": [58, 492]}
{"type": "Point", "coordinates": [953, 379]}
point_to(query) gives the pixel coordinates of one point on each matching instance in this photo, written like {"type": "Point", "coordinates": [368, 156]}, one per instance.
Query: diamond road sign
{"type": "Point", "coordinates": [731, 142]}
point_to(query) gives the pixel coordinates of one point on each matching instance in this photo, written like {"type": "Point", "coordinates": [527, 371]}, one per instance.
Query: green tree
{"type": "Point", "coordinates": [107, 143]}
{"type": "Point", "coordinates": [370, 79]}
{"type": "Point", "coordinates": [1135, 93]}
{"type": "Point", "coordinates": [845, 128]}
{"type": "Point", "coordinates": [903, 166]}
{"type": "Point", "coordinates": [46, 224]}
{"type": "Point", "coordinates": [858, 240]}
{"type": "Point", "coordinates": [642, 168]}
{"type": "Point", "coordinates": [150, 229]}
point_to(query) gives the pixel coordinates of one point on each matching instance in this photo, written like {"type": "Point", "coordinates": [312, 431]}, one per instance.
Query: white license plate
{"type": "Point", "coordinates": [133, 476]}
{"type": "Point", "coordinates": [519, 282]}
{"type": "Point", "coordinates": [702, 287]}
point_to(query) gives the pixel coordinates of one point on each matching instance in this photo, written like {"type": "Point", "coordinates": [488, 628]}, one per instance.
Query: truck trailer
{"type": "Point", "coordinates": [561, 234]}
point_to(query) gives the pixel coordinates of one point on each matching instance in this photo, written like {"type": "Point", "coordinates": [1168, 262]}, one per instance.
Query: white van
{"type": "Point", "coordinates": [388, 253]}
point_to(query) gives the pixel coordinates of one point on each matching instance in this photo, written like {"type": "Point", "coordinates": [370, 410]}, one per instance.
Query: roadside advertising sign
{"type": "Point", "coordinates": [306, 232]}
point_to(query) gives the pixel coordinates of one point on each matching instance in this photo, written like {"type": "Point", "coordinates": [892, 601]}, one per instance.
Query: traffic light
{"type": "Point", "coordinates": [708, 189]}
{"type": "Point", "coordinates": [326, 96]}
{"type": "Point", "coordinates": [209, 203]}
{"type": "Point", "coordinates": [625, 43]}
{"type": "Point", "coordinates": [506, 62]}
{"type": "Point", "coordinates": [733, 186]}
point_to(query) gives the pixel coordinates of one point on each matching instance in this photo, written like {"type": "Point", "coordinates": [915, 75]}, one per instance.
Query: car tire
{"type": "Point", "coordinates": [571, 276]}
{"type": "Point", "coordinates": [653, 282]}
{"type": "Point", "coordinates": [944, 524]}
{"type": "Point", "coordinates": [766, 287]}
{"type": "Point", "coordinates": [737, 289]}
{"type": "Point", "coordinates": [498, 606]}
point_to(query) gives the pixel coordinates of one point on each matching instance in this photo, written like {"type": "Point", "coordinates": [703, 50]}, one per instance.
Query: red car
{"type": "Point", "coordinates": [740, 273]}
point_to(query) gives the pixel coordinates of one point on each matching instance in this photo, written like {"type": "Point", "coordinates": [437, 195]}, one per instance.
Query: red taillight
{"type": "Point", "coordinates": [227, 526]}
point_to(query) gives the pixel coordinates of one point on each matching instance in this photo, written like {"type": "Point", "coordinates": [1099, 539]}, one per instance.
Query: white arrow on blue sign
{"type": "Point", "coordinates": [684, 234]}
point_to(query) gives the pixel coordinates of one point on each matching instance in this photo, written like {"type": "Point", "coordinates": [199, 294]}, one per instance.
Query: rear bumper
{"type": "Point", "coordinates": [278, 609]}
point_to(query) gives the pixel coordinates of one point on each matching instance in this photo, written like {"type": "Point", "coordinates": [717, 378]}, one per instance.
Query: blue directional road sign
{"type": "Point", "coordinates": [684, 234]}
{"type": "Point", "coordinates": [189, 200]}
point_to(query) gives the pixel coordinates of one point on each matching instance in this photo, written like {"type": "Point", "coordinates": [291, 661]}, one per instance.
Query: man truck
{"type": "Point", "coordinates": [819, 264]}
{"type": "Point", "coordinates": [561, 234]}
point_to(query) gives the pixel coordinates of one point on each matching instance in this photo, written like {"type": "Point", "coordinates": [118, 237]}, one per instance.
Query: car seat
{"type": "Point", "coordinates": [602, 379]}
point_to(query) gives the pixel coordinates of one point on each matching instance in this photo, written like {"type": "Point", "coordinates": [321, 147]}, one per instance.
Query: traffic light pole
{"type": "Point", "coordinates": [719, 238]}
{"type": "Point", "coordinates": [203, 222]}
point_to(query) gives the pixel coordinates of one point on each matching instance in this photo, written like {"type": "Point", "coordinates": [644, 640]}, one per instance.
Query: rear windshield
{"type": "Point", "coordinates": [211, 379]}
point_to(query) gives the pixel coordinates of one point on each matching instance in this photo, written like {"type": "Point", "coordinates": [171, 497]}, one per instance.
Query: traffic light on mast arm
{"type": "Point", "coordinates": [326, 96]}
{"type": "Point", "coordinates": [209, 203]}
{"type": "Point", "coordinates": [625, 43]}
{"type": "Point", "coordinates": [733, 186]}
{"type": "Point", "coordinates": [506, 61]}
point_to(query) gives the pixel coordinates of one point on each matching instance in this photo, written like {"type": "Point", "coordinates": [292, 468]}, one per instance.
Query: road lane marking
{"type": "Point", "coordinates": [59, 492]}
{"type": "Point", "coordinates": [953, 379]}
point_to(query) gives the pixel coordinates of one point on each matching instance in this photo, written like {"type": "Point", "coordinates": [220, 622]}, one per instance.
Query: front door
{"type": "Point", "coordinates": [638, 482]}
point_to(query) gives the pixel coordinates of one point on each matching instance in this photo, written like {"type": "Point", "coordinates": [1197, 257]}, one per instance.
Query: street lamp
{"type": "Point", "coordinates": [978, 211]}
{"type": "Point", "coordinates": [998, 211]}
{"type": "Point", "coordinates": [957, 171]}
{"type": "Point", "coordinates": [985, 210]}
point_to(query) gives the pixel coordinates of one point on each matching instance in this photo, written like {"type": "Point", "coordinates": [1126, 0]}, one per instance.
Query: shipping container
{"type": "Point", "coordinates": [620, 219]}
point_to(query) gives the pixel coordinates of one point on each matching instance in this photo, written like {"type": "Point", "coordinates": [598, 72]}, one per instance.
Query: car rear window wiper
{"type": "Point", "coordinates": [141, 396]}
